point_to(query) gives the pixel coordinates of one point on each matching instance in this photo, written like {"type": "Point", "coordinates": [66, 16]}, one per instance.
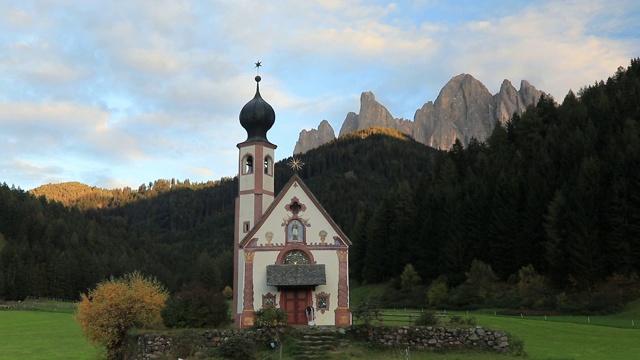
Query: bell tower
{"type": "Point", "coordinates": [256, 193]}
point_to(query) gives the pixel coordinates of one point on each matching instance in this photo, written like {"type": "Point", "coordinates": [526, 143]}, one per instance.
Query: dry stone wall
{"type": "Point", "coordinates": [154, 346]}
{"type": "Point", "coordinates": [436, 337]}
{"type": "Point", "coordinates": [159, 346]}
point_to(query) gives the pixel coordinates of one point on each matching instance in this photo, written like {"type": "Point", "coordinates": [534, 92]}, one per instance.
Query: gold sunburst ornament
{"type": "Point", "coordinates": [295, 164]}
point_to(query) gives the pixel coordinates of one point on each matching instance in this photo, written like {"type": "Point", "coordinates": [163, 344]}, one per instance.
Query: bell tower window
{"type": "Point", "coordinates": [248, 164]}
{"type": "Point", "coordinates": [268, 165]}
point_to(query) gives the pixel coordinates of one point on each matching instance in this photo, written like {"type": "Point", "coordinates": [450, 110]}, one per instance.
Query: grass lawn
{"type": "Point", "coordinates": [54, 334]}
{"type": "Point", "coordinates": [364, 293]}
{"type": "Point", "coordinates": [41, 335]}
{"type": "Point", "coordinates": [562, 340]}
{"type": "Point", "coordinates": [368, 353]}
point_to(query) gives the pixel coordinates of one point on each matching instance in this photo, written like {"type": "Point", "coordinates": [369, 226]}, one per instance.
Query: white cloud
{"type": "Point", "coordinates": [545, 44]}
{"type": "Point", "coordinates": [128, 92]}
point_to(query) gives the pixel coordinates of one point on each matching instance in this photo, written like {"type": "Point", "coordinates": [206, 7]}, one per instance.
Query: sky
{"type": "Point", "coordinates": [121, 93]}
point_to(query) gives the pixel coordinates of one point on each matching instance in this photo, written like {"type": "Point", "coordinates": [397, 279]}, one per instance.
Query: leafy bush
{"type": "Point", "coordinates": [463, 296]}
{"type": "Point", "coordinates": [367, 312]}
{"type": "Point", "coordinates": [196, 307]}
{"type": "Point", "coordinates": [227, 292]}
{"type": "Point", "coordinates": [516, 345]}
{"type": "Point", "coordinates": [238, 348]}
{"type": "Point", "coordinates": [427, 318]}
{"type": "Point", "coordinates": [456, 319]}
{"type": "Point", "coordinates": [532, 288]}
{"type": "Point", "coordinates": [270, 317]}
{"type": "Point", "coordinates": [107, 312]}
{"type": "Point", "coordinates": [438, 292]}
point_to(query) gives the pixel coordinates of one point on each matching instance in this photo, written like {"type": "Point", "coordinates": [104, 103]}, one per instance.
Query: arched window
{"type": "Point", "coordinates": [268, 165]}
{"type": "Point", "coordinates": [295, 257]}
{"type": "Point", "coordinates": [248, 164]}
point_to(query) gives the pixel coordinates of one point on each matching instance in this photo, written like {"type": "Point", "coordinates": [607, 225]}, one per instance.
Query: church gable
{"type": "Point", "coordinates": [295, 218]}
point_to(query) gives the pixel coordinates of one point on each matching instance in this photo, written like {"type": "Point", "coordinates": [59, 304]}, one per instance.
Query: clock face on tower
{"type": "Point", "coordinates": [295, 257]}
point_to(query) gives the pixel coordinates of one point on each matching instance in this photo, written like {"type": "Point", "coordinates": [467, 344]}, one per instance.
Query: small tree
{"type": "Point", "coordinates": [438, 292]}
{"type": "Point", "coordinates": [409, 279]}
{"type": "Point", "coordinates": [482, 279]}
{"type": "Point", "coordinates": [531, 287]}
{"type": "Point", "coordinates": [116, 305]}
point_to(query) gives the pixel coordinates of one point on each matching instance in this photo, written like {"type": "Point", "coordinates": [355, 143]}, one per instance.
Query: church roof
{"type": "Point", "coordinates": [257, 116]}
{"type": "Point", "coordinates": [296, 275]}
{"type": "Point", "coordinates": [294, 179]}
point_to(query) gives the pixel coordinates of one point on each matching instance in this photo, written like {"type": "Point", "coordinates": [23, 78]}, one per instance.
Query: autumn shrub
{"type": "Point", "coordinates": [228, 292]}
{"type": "Point", "coordinates": [196, 307]}
{"type": "Point", "coordinates": [116, 305]}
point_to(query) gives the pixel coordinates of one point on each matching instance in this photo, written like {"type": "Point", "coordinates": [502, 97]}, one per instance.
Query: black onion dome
{"type": "Point", "coordinates": [257, 116]}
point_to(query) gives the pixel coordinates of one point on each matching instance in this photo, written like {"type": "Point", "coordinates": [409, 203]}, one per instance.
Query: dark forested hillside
{"type": "Point", "coordinates": [181, 235]}
{"type": "Point", "coordinates": [557, 188]}
{"type": "Point", "coordinates": [73, 235]}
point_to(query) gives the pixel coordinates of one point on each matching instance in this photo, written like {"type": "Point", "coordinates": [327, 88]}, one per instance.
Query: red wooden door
{"type": "Point", "coordinates": [295, 304]}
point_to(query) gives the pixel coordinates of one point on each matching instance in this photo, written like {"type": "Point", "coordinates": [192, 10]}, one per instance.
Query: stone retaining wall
{"type": "Point", "coordinates": [153, 346]}
{"type": "Point", "coordinates": [187, 342]}
{"type": "Point", "coordinates": [435, 337]}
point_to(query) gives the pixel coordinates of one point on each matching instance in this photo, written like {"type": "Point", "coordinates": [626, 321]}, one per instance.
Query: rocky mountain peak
{"type": "Point", "coordinates": [509, 101]}
{"type": "Point", "coordinates": [313, 138]}
{"type": "Point", "coordinates": [372, 113]}
{"type": "Point", "coordinates": [464, 109]}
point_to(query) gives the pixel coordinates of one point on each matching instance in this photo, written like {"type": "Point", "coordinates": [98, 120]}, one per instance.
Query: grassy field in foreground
{"type": "Point", "coordinates": [561, 340]}
{"type": "Point", "coordinates": [54, 335]}
{"type": "Point", "coordinates": [42, 335]}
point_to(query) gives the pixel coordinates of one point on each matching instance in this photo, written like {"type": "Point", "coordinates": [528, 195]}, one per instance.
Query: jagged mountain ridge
{"type": "Point", "coordinates": [464, 109]}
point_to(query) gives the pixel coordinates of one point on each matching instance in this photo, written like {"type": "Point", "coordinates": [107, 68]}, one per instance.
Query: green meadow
{"type": "Point", "coordinates": [38, 334]}
{"type": "Point", "coordinates": [42, 335]}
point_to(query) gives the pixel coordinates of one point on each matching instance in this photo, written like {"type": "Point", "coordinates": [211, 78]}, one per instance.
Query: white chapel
{"type": "Point", "coordinates": [288, 252]}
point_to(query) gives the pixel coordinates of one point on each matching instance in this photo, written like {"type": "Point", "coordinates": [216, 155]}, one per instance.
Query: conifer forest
{"type": "Point", "coordinates": [555, 191]}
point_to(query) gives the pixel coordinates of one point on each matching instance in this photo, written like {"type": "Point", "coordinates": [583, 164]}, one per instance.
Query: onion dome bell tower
{"type": "Point", "coordinates": [257, 116]}
{"type": "Point", "coordinates": [255, 187]}
{"type": "Point", "coordinates": [255, 162]}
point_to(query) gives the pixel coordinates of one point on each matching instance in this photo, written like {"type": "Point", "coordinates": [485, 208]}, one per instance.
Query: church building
{"type": "Point", "coordinates": [288, 252]}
